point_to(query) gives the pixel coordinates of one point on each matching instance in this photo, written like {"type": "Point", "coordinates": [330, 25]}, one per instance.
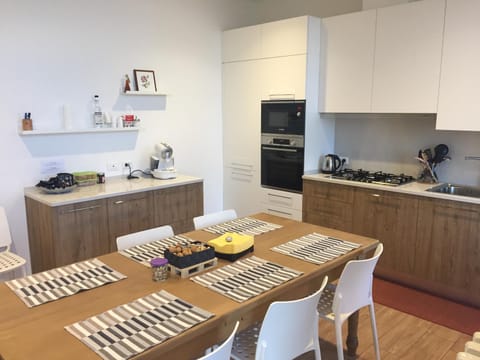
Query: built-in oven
{"type": "Point", "coordinates": [283, 117]}
{"type": "Point", "coordinates": [282, 160]}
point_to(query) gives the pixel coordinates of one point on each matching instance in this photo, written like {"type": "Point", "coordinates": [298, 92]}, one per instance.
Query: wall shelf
{"type": "Point", "coordinates": [142, 93]}
{"type": "Point", "coordinates": [77, 131]}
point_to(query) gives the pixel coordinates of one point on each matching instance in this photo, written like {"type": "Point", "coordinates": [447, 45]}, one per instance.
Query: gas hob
{"type": "Point", "coordinates": [377, 177]}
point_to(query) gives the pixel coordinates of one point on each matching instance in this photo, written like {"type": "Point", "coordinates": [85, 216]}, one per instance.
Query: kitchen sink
{"type": "Point", "coordinates": [454, 189]}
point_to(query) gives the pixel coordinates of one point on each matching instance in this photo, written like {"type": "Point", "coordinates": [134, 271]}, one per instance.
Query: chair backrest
{"type": "Point", "coordinates": [354, 288]}
{"type": "Point", "coordinates": [204, 221]}
{"type": "Point", "coordinates": [289, 327]}
{"type": "Point", "coordinates": [223, 351]}
{"type": "Point", "coordinates": [5, 236]}
{"type": "Point", "coordinates": [143, 237]}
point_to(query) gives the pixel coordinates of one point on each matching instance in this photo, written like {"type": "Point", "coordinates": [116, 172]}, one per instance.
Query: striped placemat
{"type": "Point", "coordinates": [132, 328]}
{"type": "Point", "coordinates": [246, 278]}
{"type": "Point", "coordinates": [316, 248]}
{"type": "Point", "coordinates": [146, 252]}
{"type": "Point", "coordinates": [64, 281]}
{"type": "Point", "coordinates": [247, 226]}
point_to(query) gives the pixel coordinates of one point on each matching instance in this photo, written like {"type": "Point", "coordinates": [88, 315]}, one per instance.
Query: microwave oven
{"type": "Point", "coordinates": [283, 117]}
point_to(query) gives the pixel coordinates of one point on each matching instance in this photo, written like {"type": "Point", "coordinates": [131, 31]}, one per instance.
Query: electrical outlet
{"type": "Point", "coordinates": [347, 160]}
{"type": "Point", "coordinates": [113, 166]}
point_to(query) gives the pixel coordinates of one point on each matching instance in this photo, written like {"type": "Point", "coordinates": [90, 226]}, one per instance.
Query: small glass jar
{"type": "Point", "coordinates": [159, 269]}
{"type": "Point", "coordinates": [100, 178]}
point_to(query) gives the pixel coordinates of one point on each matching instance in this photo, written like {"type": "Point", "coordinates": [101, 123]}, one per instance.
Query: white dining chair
{"type": "Point", "coordinates": [466, 356]}
{"type": "Point", "coordinates": [223, 351]}
{"type": "Point", "coordinates": [143, 237]}
{"type": "Point", "coordinates": [352, 292]}
{"type": "Point", "coordinates": [9, 261]}
{"type": "Point", "coordinates": [215, 218]}
{"type": "Point", "coordinates": [289, 329]}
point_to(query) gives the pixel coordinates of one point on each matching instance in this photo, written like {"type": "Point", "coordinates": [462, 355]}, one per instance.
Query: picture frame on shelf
{"type": "Point", "coordinates": [145, 80]}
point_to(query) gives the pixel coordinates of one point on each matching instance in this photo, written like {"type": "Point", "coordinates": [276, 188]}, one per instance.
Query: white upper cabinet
{"type": "Point", "coordinates": [458, 104]}
{"type": "Point", "coordinates": [284, 77]}
{"type": "Point", "coordinates": [385, 60]}
{"type": "Point", "coordinates": [407, 57]}
{"type": "Point", "coordinates": [242, 44]}
{"type": "Point", "coordinates": [273, 39]}
{"type": "Point", "coordinates": [348, 45]}
{"type": "Point", "coordinates": [285, 37]}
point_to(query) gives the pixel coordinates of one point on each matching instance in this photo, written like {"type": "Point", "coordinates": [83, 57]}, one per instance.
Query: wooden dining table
{"type": "Point", "coordinates": [38, 332]}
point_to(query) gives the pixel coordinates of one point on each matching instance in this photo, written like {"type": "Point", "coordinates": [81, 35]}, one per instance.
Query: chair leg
{"type": "Point", "coordinates": [316, 345]}
{"type": "Point", "coordinates": [339, 339]}
{"type": "Point", "coordinates": [374, 331]}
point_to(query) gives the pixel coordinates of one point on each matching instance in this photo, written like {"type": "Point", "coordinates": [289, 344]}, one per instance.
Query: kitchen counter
{"type": "Point", "coordinates": [413, 188]}
{"type": "Point", "coordinates": [113, 186]}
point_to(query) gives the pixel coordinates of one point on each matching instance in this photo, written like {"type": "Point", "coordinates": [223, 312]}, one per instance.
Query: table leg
{"type": "Point", "coordinates": [352, 337]}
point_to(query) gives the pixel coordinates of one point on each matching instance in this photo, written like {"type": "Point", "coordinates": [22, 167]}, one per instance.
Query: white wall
{"type": "Point", "coordinates": [63, 52]}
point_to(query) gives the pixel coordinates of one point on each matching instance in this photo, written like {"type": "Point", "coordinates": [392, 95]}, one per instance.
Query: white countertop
{"type": "Point", "coordinates": [413, 188]}
{"type": "Point", "coordinates": [113, 186]}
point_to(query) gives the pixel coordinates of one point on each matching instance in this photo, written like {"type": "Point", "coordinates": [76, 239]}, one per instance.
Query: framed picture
{"type": "Point", "coordinates": [145, 80]}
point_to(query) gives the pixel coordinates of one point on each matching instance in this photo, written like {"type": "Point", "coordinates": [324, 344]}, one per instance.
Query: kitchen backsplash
{"type": "Point", "coordinates": [391, 143]}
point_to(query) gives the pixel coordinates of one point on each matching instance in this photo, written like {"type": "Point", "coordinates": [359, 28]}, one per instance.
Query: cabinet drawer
{"type": "Point", "coordinates": [328, 191]}
{"type": "Point", "coordinates": [293, 214]}
{"type": "Point", "coordinates": [284, 199]}
{"type": "Point", "coordinates": [323, 212]}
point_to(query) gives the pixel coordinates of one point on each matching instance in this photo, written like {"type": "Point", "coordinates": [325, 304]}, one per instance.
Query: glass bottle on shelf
{"type": "Point", "coordinates": [97, 112]}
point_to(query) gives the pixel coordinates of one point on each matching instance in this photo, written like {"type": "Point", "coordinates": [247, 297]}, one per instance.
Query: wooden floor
{"type": "Point", "coordinates": [401, 336]}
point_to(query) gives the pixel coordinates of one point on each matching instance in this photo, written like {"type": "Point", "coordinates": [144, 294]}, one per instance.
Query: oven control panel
{"type": "Point", "coordinates": [283, 140]}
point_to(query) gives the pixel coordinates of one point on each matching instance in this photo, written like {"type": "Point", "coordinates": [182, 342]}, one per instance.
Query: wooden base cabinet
{"type": "Point", "coordinates": [391, 218]}
{"type": "Point", "coordinates": [328, 205]}
{"type": "Point", "coordinates": [430, 244]}
{"type": "Point", "coordinates": [60, 235]}
{"type": "Point", "coordinates": [448, 248]}
{"type": "Point", "coordinates": [177, 206]}
{"type": "Point", "coordinates": [128, 214]}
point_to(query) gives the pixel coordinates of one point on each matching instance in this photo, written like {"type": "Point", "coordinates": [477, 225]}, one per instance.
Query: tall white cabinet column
{"type": "Point", "coordinates": [275, 60]}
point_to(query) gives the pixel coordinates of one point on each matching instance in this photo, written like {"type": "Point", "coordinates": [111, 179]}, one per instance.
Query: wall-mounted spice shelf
{"type": "Point", "coordinates": [77, 131]}
{"type": "Point", "coordinates": [142, 93]}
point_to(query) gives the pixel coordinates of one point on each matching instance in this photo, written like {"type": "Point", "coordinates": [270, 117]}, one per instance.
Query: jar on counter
{"type": "Point", "coordinates": [159, 269]}
{"type": "Point", "coordinates": [100, 178]}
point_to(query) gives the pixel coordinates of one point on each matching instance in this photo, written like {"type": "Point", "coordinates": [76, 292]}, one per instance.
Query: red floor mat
{"type": "Point", "coordinates": [447, 313]}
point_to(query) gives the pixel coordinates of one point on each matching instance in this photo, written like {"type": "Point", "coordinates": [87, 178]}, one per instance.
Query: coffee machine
{"type": "Point", "coordinates": [162, 163]}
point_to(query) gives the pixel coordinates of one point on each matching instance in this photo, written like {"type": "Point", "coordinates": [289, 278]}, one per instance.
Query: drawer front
{"type": "Point", "coordinates": [328, 191]}
{"type": "Point", "coordinates": [282, 199]}
{"type": "Point", "coordinates": [332, 214]}
{"type": "Point", "coordinates": [293, 214]}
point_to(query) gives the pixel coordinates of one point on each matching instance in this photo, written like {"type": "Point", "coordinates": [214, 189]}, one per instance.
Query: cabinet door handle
{"type": "Point", "coordinates": [118, 202]}
{"type": "Point", "coordinates": [241, 174]}
{"type": "Point", "coordinates": [245, 171]}
{"type": "Point", "coordinates": [376, 195]}
{"type": "Point", "coordinates": [234, 164]}
{"type": "Point", "coordinates": [280, 212]}
{"type": "Point", "coordinates": [83, 209]}
{"type": "Point", "coordinates": [280, 196]}
{"type": "Point", "coordinates": [279, 149]}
